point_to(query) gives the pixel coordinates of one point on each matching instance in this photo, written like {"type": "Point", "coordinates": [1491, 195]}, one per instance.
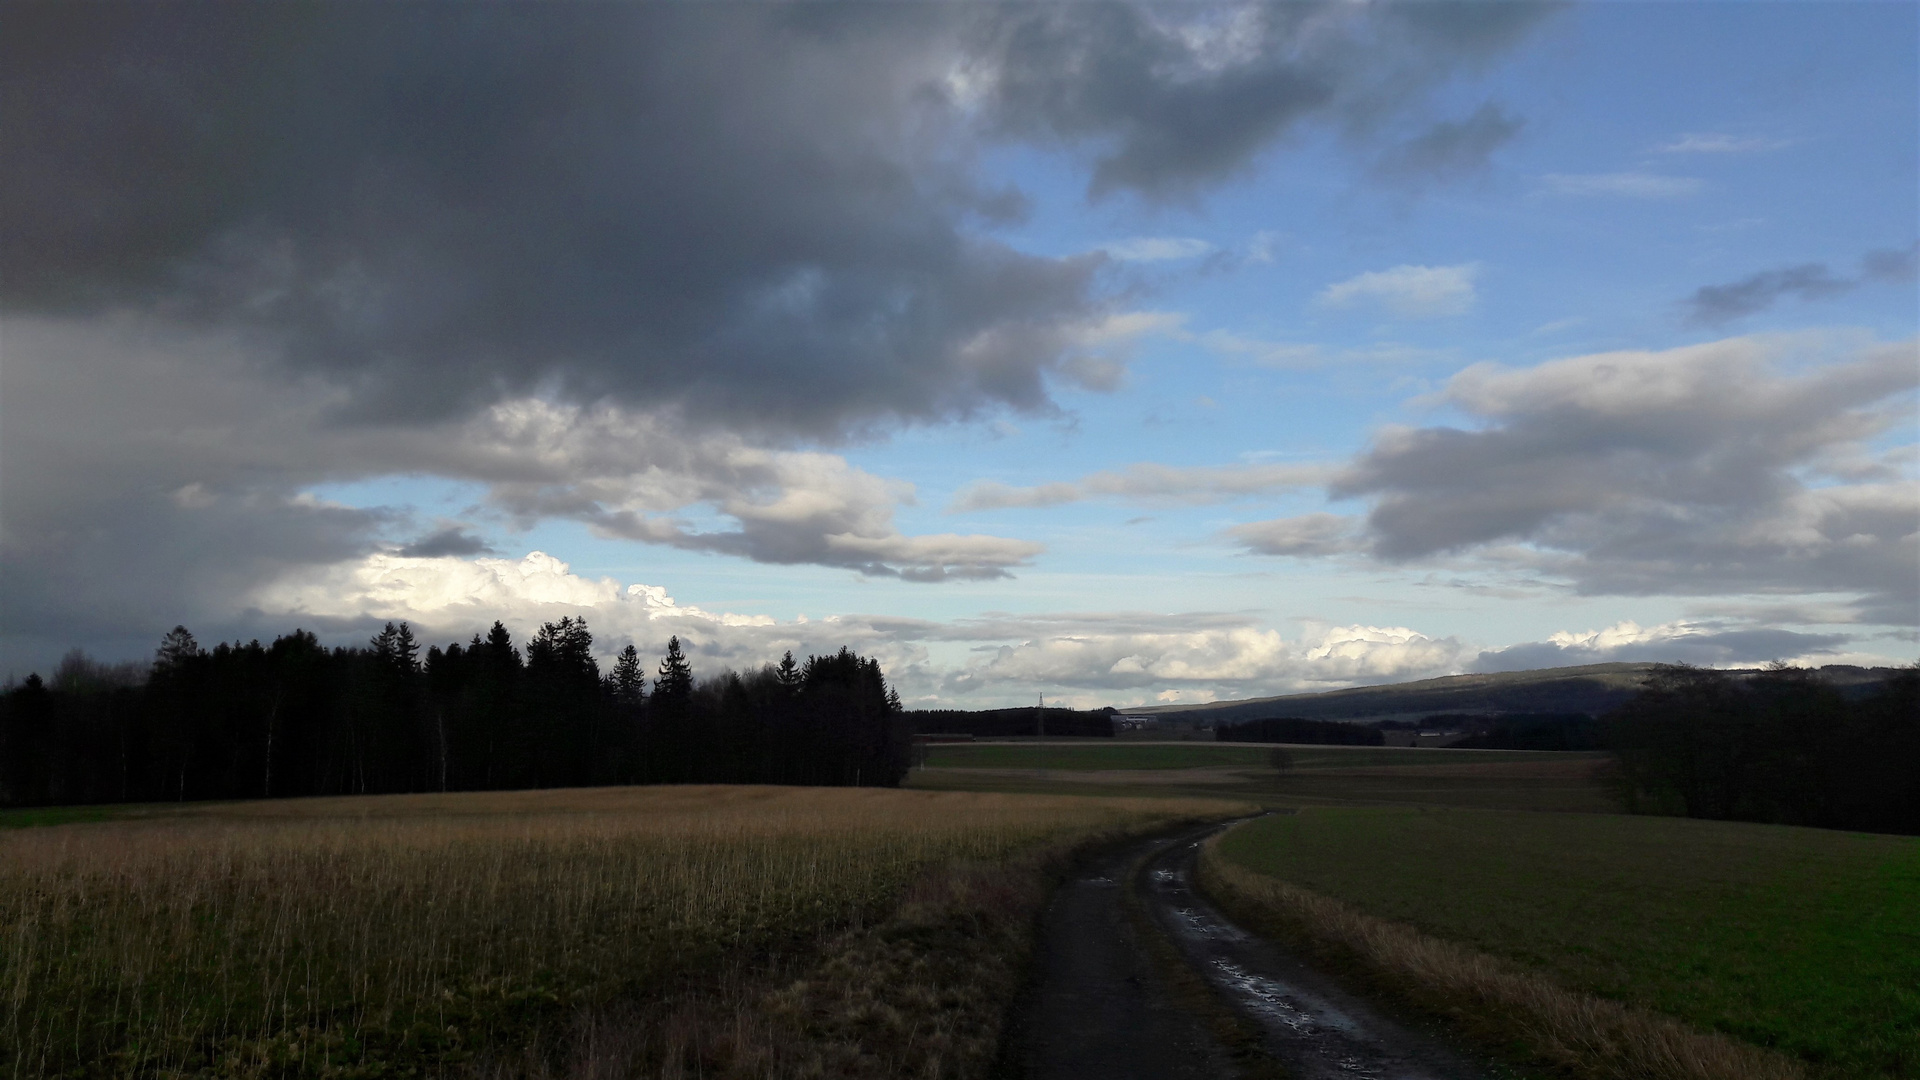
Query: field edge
{"type": "Point", "coordinates": [927, 992]}
{"type": "Point", "coordinates": [1513, 1012]}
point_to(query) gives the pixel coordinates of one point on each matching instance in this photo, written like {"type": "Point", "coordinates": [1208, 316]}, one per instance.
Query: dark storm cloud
{"type": "Point", "coordinates": [756, 213]}
{"type": "Point", "coordinates": [1170, 98]}
{"type": "Point", "coordinates": [1712, 305]}
{"type": "Point", "coordinates": [132, 563]}
{"type": "Point", "coordinates": [752, 226]}
{"type": "Point", "coordinates": [157, 477]}
{"type": "Point", "coordinates": [739, 209]}
{"type": "Point", "coordinates": [450, 541]}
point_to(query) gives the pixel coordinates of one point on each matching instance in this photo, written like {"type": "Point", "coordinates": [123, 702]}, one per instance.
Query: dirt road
{"type": "Point", "coordinates": [1103, 1006]}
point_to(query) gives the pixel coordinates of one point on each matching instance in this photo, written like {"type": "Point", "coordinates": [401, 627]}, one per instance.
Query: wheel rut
{"type": "Point", "coordinates": [1102, 1005]}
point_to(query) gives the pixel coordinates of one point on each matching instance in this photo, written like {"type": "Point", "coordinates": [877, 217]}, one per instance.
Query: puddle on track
{"type": "Point", "coordinates": [1316, 1029]}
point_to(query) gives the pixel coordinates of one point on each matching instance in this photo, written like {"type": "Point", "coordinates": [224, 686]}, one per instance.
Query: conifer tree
{"type": "Point", "coordinates": [406, 651]}
{"type": "Point", "coordinates": [176, 649]}
{"type": "Point", "coordinates": [787, 675]}
{"type": "Point", "coordinates": [383, 643]}
{"type": "Point", "coordinates": [501, 655]}
{"type": "Point", "coordinates": [629, 682]}
{"type": "Point", "coordinates": [676, 675]}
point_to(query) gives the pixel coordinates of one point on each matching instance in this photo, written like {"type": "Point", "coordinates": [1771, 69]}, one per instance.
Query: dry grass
{"type": "Point", "coordinates": [1576, 1033]}
{"type": "Point", "coordinates": [364, 936]}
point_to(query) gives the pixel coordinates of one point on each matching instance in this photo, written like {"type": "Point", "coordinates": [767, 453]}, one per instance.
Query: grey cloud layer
{"type": "Point", "coordinates": [1453, 148]}
{"type": "Point", "coordinates": [1145, 482]}
{"type": "Point", "coordinates": [1719, 648]}
{"type": "Point", "coordinates": [1712, 305]}
{"type": "Point", "coordinates": [1742, 466]}
{"type": "Point", "coordinates": [156, 481]}
{"type": "Point", "coordinates": [737, 210]}
{"type": "Point", "coordinates": [257, 247]}
{"type": "Point", "coordinates": [1171, 97]}
{"type": "Point", "coordinates": [754, 213]}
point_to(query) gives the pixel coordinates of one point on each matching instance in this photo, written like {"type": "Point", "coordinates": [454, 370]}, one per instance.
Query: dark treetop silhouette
{"type": "Point", "coordinates": [247, 721]}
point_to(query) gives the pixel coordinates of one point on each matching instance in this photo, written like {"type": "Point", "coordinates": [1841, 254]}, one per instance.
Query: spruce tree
{"type": "Point", "coordinates": [406, 650]}
{"type": "Point", "coordinates": [788, 674]}
{"type": "Point", "coordinates": [629, 682]}
{"type": "Point", "coordinates": [676, 675]}
{"type": "Point", "coordinates": [383, 643]}
{"type": "Point", "coordinates": [501, 655]}
{"type": "Point", "coordinates": [176, 649]}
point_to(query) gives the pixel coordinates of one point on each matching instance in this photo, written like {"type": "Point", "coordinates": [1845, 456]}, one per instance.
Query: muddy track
{"type": "Point", "coordinates": [1102, 1005]}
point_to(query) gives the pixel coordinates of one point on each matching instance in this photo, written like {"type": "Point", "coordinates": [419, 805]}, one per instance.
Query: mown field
{"type": "Point", "coordinates": [1316, 776]}
{"type": "Point", "coordinates": [1106, 754]}
{"type": "Point", "coordinates": [1800, 939]}
{"type": "Point", "coordinates": [446, 934]}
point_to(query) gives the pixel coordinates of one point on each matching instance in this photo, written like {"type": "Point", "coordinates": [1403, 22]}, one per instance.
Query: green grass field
{"type": "Point", "coordinates": [1800, 939]}
{"type": "Point", "coordinates": [1320, 775]}
{"type": "Point", "coordinates": [1094, 756]}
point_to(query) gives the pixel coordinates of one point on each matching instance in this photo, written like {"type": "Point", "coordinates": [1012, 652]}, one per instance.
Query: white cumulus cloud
{"type": "Point", "coordinates": [1624, 185]}
{"type": "Point", "coordinates": [1148, 482]}
{"type": "Point", "coordinates": [1156, 248]}
{"type": "Point", "coordinates": [1413, 292]}
{"type": "Point", "coordinates": [1713, 142]}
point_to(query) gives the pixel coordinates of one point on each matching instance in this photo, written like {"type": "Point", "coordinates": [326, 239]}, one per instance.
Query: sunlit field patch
{"type": "Point", "coordinates": [308, 936]}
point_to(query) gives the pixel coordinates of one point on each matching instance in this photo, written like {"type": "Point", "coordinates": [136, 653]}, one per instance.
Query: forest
{"type": "Point", "coordinates": [1002, 723]}
{"type": "Point", "coordinates": [1781, 746]}
{"type": "Point", "coordinates": [295, 718]}
{"type": "Point", "coordinates": [1293, 729]}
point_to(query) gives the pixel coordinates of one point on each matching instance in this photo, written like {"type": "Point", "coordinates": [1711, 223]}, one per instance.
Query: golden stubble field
{"type": "Point", "coordinates": [357, 936]}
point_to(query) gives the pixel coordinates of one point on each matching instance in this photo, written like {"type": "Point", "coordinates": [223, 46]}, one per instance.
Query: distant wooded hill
{"type": "Point", "coordinates": [1000, 723]}
{"type": "Point", "coordinates": [1593, 690]}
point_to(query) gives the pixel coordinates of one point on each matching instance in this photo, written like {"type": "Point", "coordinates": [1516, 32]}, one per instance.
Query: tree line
{"type": "Point", "coordinates": [1781, 746]}
{"type": "Point", "coordinates": [1294, 729]}
{"type": "Point", "coordinates": [1000, 723]}
{"type": "Point", "coordinates": [295, 718]}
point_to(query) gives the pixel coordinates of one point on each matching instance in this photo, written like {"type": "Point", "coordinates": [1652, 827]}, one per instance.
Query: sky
{"type": "Point", "coordinates": [1120, 354]}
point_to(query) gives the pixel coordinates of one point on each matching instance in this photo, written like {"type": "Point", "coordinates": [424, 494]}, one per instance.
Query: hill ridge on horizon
{"type": "Point", "coordinates": [1581, 688]}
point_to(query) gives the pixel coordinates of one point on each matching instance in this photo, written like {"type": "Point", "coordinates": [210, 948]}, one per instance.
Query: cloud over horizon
{"type": "Point", "coordinates": [1742, 466]}
{"type": "Point", "coordinates": [1098, 657]}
